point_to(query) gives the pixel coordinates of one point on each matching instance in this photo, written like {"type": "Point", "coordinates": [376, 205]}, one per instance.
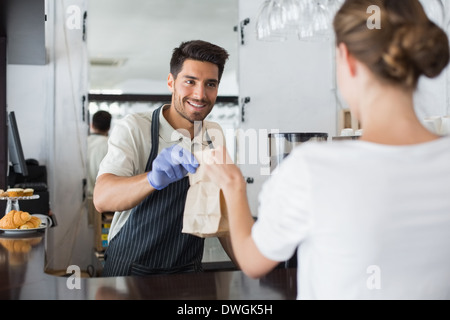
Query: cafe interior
{"type": "Point", "coordinates": [62, 61]}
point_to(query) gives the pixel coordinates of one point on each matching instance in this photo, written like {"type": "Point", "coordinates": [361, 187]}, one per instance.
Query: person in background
{"type": "Point", "coordinates": [370, 218]}
{"type": "Point", "coordinates": [143, 177]}
{"type": "Point", "coordinates": [97, 146]}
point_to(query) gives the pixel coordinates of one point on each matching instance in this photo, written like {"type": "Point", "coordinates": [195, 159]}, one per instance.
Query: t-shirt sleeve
{"type": "Point", "coordinates": [284, 214]}
{"type": "Point", "coordinates": [122, 158]}
{"type": "Point", "coordinates": [95, 158]}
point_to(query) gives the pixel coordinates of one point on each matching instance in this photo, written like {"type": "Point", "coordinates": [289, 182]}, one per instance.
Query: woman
{"type": "Point", "coordinates": [370, 218]}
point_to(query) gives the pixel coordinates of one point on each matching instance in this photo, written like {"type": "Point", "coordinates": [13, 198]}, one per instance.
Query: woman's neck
{"type": "Point", "coordinates": [387, 116]}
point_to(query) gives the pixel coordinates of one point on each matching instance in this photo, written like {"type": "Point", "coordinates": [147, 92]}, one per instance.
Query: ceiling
{"type": "Point", "coordinates": [130, 42]}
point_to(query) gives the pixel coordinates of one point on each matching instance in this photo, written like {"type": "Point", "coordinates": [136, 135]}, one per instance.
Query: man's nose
{"type": "Point", "coordinates": [199, 92]}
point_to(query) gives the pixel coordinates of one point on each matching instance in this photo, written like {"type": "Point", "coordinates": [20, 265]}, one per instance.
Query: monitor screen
{"type": "Point", "coordinates": [15, 147]}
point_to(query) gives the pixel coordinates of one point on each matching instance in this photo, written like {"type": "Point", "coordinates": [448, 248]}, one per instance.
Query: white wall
{"type": "Point", "coordinates": [291, 86]}
{"type": "Point", "coordinates": [432, 96]}
{"type": "Point", "coordinates": [48, 106]}
{"type": "Point", "coordinates": [28, 89]}
{"type": "Point", "coordinates": [73, 239]}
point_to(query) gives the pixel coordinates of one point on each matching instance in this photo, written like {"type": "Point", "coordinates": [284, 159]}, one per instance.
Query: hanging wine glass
{"type": "Point", "coordinates": [314, 23]}
{"type": "Point", "coordinates": [276, 17]}
{"type": "Point", "coordinates": [262, 31]}
{"type": "Point", "coordinates": [326, 11]}
{"type": "Point", "coordinates": [310, 19]}
{"type": "Point", "coordinates": [321, 18]}
{"type": "Point", "coordinates": [306, 19]}
{"type": "Point", "coordinates": [290, 15]}
{"type": "Point", "coordinates": [264, 24]}
{"type": "Point", "coordinates": [333, 7]}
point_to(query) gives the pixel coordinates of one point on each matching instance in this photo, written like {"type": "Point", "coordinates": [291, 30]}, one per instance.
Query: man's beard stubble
{"type": "Point", "coordinates": [179, 104]}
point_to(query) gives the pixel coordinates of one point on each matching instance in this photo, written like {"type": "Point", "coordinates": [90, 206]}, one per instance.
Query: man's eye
{"type": "Point", "coordinates": [189, 81]}
{"type": "Point", "coordinates": [212, 85]}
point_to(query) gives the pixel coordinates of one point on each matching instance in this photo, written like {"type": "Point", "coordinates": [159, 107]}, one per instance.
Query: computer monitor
{"type": "Point", "coordinates": [15, 147]}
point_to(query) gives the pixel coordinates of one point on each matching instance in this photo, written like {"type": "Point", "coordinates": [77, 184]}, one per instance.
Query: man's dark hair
{"type": "Point", "coordinates": [198, 50]}
{"type": "Point", "coordinates": [101, 120]}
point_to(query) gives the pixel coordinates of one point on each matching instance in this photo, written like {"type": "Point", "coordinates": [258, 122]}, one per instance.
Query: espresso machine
{"type": "Point", "coordinates": [282, 144]}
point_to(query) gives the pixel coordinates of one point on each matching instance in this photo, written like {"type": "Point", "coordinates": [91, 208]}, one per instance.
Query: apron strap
{"type": "Point", "coordinates": [155, 138]}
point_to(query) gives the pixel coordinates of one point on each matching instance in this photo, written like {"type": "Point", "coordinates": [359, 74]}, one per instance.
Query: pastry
{"type": "Point", "coordinates": [3, 193]}
{"type": "Point", "coordinates": [28, 192]}
{"type": "Point", "coordinates": [14, 219]}
{"type": "Point", "coordinates": [16, 245]}
{"type": "Point", "coordinates": [34, 222]}
{"type": "Point", "coordinates": [15, 192]}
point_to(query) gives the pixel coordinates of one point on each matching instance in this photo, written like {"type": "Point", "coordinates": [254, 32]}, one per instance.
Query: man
{"type": "Point", "coordinates": [97, 145]}
{"type": "Point", "coordinates": [143, 176]}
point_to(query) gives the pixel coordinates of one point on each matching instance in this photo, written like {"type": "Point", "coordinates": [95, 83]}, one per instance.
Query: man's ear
{"type": "Point", "coordinates": [170, 82]}
{"type": "Point", "coordinates": [348, 59]}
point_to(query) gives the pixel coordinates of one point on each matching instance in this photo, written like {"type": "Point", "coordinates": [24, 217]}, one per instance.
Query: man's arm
{"type": "Point", "coordinates": [113, 193]}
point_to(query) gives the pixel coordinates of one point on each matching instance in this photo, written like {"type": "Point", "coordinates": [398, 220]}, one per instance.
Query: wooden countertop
{"type": "Point", "coordinates": [22, 276]}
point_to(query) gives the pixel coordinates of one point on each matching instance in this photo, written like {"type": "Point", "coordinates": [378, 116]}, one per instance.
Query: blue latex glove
{"type": "Point", "coordinates": [171, 165]}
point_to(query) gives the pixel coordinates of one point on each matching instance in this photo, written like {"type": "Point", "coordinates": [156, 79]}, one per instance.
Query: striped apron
{"type": "Point", "coordinates": [151, 241]}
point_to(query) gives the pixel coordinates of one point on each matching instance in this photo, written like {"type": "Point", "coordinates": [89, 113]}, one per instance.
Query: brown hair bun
{"type": "Point", "coordinates": [407, 46]}
{"type": "Point", "coordinates": [416, 50]}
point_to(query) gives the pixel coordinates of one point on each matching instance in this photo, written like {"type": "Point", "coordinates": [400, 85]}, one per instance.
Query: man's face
{"type": "Point", "coordinates": [195, 89]}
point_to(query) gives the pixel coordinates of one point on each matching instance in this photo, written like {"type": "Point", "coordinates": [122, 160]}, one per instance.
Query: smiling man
{"type": "Point", "coordinates": [143, 177]}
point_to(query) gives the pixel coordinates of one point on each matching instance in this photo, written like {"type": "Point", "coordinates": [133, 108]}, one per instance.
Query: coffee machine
{"type": "Point", "coordinates": [282, 144]}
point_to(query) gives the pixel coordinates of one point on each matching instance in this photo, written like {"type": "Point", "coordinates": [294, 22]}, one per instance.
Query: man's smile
{"type": "Point", "coordinates": [196, 104]}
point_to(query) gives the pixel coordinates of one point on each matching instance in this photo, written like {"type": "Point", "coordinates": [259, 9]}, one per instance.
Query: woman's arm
{"type": "Point", "coordinates": [228, 176]}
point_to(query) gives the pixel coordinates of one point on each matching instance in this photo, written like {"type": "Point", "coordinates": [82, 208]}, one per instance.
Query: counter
{"type": "Point", "coordinates": [22, 276]}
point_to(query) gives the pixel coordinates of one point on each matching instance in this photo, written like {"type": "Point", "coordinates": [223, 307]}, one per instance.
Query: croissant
{"type": "Point", "coordinates": [34, 222]}
{"type": "Point", "coordinates": [16, 245]}
{"type": "Point", "coordinates": [14, 219]}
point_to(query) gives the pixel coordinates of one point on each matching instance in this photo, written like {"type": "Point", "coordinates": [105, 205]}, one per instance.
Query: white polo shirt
{"type": "Point", "coordinates": [129, 147]}
{"type": "Point", "coordinates": [97, 147]}
{"type": "Point", "coordinates": [370, 221]}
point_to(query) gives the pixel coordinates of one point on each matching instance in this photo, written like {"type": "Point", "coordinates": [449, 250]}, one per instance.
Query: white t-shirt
{"type": "Point", "coordinates": [129, 147]}
{"type": "Point", "coordinates": [370, 221]}
{"type": "Point", "coordinates": [97, 147]}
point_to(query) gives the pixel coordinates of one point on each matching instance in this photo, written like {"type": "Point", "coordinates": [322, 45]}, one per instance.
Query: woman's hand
{"type": "Point", "coordinates": [222, 171]}
{"type": "Point", "coordinates": [220, 168]}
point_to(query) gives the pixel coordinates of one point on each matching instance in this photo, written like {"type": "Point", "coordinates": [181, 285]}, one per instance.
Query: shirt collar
{"type": "Point", "coordinates": [166, 131]}
{"type": "Point", "coordinates": [169, 134]}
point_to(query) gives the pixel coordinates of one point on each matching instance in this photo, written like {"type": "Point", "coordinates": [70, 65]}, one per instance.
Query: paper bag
{"type": "Point", "coordinates": [205, 211]}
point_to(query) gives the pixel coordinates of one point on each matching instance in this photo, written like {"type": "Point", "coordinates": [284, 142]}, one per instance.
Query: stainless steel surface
{"type": "Point", "coordinates": [282, 144]}
{"type": "Point", "coordinates": [22, 276]}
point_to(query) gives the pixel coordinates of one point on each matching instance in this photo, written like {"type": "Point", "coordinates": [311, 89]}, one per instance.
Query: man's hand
{"type": "Point", "coordinates": [171, 165]}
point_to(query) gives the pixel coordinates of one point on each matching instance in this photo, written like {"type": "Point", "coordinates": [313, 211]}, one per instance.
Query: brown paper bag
{"type": "Point", "coordinates": [205, 211]}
